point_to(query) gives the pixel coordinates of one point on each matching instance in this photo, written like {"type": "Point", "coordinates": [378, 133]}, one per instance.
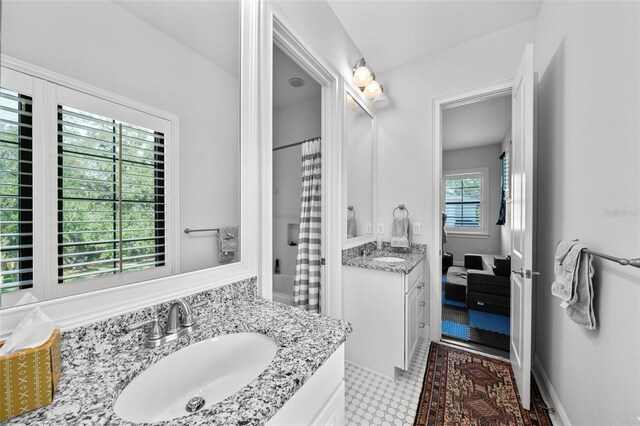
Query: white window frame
{"type": "Point", "coordinates": [483, 172]}
{"type": "Point", "coordinates": [48, 90]}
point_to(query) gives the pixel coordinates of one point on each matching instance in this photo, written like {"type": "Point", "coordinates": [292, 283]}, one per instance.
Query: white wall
{"type": "Point", "coordinates": [587, 58]}
{"type": "Point", "coordinates": [101, 44]}
{"type": "Point", "coordinates": [505, 230]}
{"type": "Point", "coordinates": [293, 123]}
{"type": "Point", "coordinates": [471, 158]}
{"type": "Point", "coordinates": [405, 129]}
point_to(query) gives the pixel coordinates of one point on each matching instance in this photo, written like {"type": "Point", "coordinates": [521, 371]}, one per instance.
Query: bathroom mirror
{"type": "Point", "coordinates": [359, 159]}
{"type": "Point", "coordinates": [121, 128]}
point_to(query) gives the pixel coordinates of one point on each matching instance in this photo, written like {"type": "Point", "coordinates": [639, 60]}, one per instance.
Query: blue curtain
{"type": "Point", "coordinates": [502, 211]}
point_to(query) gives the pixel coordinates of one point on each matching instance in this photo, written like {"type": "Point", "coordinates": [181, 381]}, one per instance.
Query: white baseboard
{"type": "Point", "coordinates": [549, 395]}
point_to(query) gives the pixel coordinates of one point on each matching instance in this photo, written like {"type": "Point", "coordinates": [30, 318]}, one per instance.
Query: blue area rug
{"type": "Point", "coordinates": [453, 329]}
{"type": "Point", "coordinates": [489, 321]}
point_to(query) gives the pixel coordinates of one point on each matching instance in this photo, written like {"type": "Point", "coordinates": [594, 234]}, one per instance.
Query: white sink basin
{"type": "Point", "coordinates": [390, 259]}
{"type": "Point", "coordinates": [212, 369]}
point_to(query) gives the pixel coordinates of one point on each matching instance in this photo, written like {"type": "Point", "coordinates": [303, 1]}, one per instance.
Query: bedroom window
{"type": "Point", "coordinates": [16, 191]}
{"type": "Point", "coordinates": [86, 180]}
{"type": "Point", "coordinates": [111, 216]}
{"type": "Point", "coordinates": [465, 201]}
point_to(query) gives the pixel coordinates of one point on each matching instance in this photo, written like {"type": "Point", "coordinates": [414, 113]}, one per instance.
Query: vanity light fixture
{"type": "Point", "coordinates": [381, 101]}
{"type": "Point", "coordinates": [361, 74]}
{"type": "Point", "coordinates": [373, 89]}
{"type": "Point", "coordinates": [350, 100]}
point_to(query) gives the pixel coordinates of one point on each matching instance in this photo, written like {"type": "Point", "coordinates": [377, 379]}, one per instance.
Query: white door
{"type": "Point", "coordinates": [523, 168]}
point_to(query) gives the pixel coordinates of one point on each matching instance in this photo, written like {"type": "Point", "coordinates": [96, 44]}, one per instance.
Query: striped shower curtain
{"type": "Point", "coordinates": [306, 287]}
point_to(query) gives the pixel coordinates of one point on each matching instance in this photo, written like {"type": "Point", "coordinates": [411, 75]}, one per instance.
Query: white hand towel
{"type": "Point", "coordinates": [400, 232]}
{"type": "Point", "coordinates": [227, 243]}
{"type": "Point", "coordinates": [351, 227]}
{"type": "Point", "coordinates": [33, 331]}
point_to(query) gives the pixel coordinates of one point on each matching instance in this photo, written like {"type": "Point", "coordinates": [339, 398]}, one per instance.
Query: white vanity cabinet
{"type": "Point", "coordinates": [386, 311]}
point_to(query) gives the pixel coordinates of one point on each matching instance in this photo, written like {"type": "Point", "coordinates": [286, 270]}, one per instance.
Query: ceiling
{"type": "Point", "coordinates": [284, 69]}
{"type": "Point", "coordinates": [392, 33]}
{"type": "Point", "coordinates": [199, 25]}
{"type": "Point", "coordinates": [477, 124]}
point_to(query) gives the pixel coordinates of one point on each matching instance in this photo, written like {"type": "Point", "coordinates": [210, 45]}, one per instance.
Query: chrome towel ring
{"type": "Point", "coordinates": [401, 207]}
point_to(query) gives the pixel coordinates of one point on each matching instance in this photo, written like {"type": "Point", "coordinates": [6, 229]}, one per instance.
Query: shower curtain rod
{"type": "Point", "coordinates": [296, 143]}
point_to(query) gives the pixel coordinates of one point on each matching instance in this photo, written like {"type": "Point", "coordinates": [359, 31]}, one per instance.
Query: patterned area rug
{"type": "Point", "coordinates": [463, 388]}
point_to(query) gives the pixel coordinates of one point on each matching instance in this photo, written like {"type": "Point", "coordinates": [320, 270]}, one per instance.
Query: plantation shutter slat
{"type": "Point", "coordinates": [16, 191]}
{"type": "Point", "coordinates": [110, 196]}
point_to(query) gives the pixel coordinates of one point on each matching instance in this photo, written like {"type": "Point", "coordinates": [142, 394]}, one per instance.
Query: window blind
{"type": "Point", "coordinates": [111, 211]}
{"type": "Point", "coordinates": [16, 191]}
{"type": "Point", "coordinates": [463, 197]}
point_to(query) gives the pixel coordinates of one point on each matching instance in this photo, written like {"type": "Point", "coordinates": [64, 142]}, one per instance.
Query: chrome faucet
{"type": "Point", "coordinates": [180, 321]}
{"type": "Point", "coordinates": [180, 309]}
{"type": "Point", "coordinates": [366, 251]}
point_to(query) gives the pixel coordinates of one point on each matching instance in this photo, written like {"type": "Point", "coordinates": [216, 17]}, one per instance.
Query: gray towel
{"type": "Point", "coordinates": [581, 310]}
{"type": "Point", "coordinates": [444, 231]}
{"type": "Point", "coordinates": [565, 264]}
{"type": "Point", "coordinates": [227, 243]}
{"type": "Point", "coordinates": [400, 232]}
{"type": "Point", "coordinates": [573, 273]}
{"type": "Point", "coordinates": [351, 227]}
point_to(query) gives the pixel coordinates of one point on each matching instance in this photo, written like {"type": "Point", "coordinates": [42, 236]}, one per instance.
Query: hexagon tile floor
{"type": "Point", "coordinates": [375, 400]}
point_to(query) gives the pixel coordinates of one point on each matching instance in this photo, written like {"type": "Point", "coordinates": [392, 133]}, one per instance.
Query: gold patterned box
{"type": "Point", "coordinates": [28, 378]}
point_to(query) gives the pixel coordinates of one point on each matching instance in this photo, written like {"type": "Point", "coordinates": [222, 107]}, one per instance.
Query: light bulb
{"type": "Point", "coordinates": [372, 90]}
{"type": "Point", "coordinates": [361, 74]}
{"type": "Point", "coordinates": [350, 100]}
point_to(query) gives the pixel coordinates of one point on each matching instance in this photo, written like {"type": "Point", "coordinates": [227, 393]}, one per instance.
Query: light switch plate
{"type": "Point", "coordinates": [368, 229]}
{"type": "Point", "coordinates": [381, 228]}
{"type": "Point", "coordinates": [416, 229]}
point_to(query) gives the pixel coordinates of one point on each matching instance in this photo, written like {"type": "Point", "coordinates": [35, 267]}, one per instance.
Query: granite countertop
{"type": "Point", "coordinates": [352, 257]}
{"type": "Point", "coordinates": [101, 359]}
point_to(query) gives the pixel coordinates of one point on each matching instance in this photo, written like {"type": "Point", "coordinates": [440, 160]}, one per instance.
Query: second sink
{"type": "Point", "coordinates": [197, 376]}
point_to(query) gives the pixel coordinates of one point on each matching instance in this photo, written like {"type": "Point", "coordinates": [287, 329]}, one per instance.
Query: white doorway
{"type": "Point", "coordinates": [523, 231]}
{"type": "Point", "coordinates": [476, 137]}
{"type": "Point", "coordinates": [297, 118]}
{"type": "Point", "coordinates": [276, 31]}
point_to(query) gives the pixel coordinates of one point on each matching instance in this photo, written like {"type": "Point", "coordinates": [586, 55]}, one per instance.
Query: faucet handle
{"type": "Point", "coordinates": [199, 304]}
{"type": "Point", "coordinates": [155, 331]}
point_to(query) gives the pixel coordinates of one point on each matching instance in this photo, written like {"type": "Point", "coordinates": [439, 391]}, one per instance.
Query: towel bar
{"type": "Point", "coordinates": [624, 262]}
{"type": "Point", "coordinates": [189, 230]}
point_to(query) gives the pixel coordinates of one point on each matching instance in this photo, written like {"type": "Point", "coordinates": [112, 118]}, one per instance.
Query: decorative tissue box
{"type": "Point", "coordinates": [28, 378]}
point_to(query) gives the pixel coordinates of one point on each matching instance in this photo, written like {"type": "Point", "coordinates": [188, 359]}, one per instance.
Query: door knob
{"type": "Point", "coordinates": [518, 272]}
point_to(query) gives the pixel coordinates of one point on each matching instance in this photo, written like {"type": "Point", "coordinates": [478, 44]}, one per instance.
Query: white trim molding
{"type": "Point", "coordinates": [80, 309]}
{"type": "Point", "coordinates": [357, 95]}
{"type": "Point", "coordinates": [483, 172]}
{"type": "Point", "coordinates": [549, 395]}
{"type": "Point", "coordinates": [277, 29]}
{"type": "Point", "coordinates": [439, 105]}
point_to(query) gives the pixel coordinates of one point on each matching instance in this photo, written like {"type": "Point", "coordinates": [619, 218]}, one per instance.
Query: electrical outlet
{"type": "Point", "coordinates": [368, 229]}
{"type": "Point", "coordinates": [381, 228]}
{"type": "Point", "coordinates": [416, 229]}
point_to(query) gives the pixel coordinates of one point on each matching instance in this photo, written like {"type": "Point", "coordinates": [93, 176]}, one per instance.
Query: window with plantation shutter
{"type": "Point", "coordinates": [465, 201]}
{"type": "Point", "coordinates": [16, 191]}
{"type": "Point", "coordinates": [111, 190]}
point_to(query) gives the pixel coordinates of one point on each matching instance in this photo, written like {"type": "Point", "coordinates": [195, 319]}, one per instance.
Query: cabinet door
{"type": "Point", "coordinates": [411, 325]}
